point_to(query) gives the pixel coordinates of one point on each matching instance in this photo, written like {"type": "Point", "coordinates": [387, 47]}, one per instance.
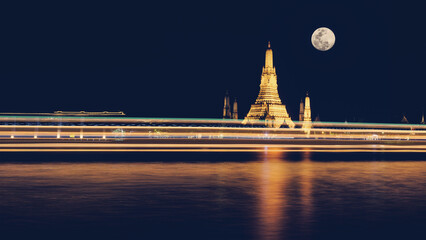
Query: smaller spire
{"type": "Point", "coordinates": [307, 93]}
{"type": "Point", "coordinates": [317, 119]}
{"type": "Point", "coordinates": [269, 44]}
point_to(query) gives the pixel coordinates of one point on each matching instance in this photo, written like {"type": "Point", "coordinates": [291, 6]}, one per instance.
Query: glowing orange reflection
{"type": "Point", "coordinates": [306, 179]}
{"type": "Point", "coordinates": [272, 202]}
{"type": "Point", "coordinates": [272, 182]}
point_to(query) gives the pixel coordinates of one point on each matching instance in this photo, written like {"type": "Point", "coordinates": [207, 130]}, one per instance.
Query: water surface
{"type": "Point", "coordinates": [212, 196]}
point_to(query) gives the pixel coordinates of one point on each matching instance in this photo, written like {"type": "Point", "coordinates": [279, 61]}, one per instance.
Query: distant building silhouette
{"type": "Point", "coordinates": [226, 106]}
{"type": "Point", "coordinates": [70, 113]}
{"type": "Point", "coordinates": [317, 118]}
{"type": "Point", "coordinates": [227, 114]}
{"type": "Point", "coordinates": [404, 119]}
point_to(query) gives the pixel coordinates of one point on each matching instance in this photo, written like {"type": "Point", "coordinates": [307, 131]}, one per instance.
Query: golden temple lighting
{"type": "Point", "coordinates": [307, 121]}
{"type": "Point", "coordinates": [268, 105]}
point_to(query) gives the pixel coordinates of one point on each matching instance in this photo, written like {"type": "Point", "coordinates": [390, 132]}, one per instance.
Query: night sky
{"type": "Point", "coordinates": [177, 59]}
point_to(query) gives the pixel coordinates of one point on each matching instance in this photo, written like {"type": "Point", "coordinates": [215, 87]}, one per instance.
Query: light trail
{"type": "Point", "coordinates": [224, 146]}
{"type": "Point", "coordinates": [29, 133]}
{"type": "Point", "coordinates": [207, 147]}
{"type": "Point", "coordinates": [208, 150]}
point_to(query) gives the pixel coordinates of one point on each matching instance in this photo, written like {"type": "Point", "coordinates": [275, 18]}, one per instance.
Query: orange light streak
{"type": "Point", "coordinates": [351, 137]}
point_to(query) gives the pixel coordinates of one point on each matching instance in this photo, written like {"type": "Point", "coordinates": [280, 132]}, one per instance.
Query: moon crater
{"type": "Point", "coordinates": [323, 39]}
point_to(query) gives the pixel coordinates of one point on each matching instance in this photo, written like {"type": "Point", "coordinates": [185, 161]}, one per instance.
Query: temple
{"type": "Point", "coordinates": [307, 120]}
{"type": "Point", "coordinates": [227, 114]}
{"type": "Point", "coordinates": [226, 107]}
{"type": "Point", "coordinates": [268, 105]}
{"type": "Point", "coordinates": [301, 110]}
{"type": "Point", "coordinates": [235, 110]}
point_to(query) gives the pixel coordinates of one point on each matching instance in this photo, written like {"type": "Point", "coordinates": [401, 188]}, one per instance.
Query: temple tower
{"type": "Point", "coordinates": [307, 121]}
{"type": "Point", "coordinates": [404, 119]}
{"type": "Point", "coordinates": [317, 118]}
{"type": "Point", "coordinates": [235, 109]}
{"type": "Point", "coordinates": [423, 119]}
{"type": "Point", "coordinates": [301, 110]}
{"type": "Point", "coordinates": [268, 105]}
{"type": "Point", "coordinates": [226, 106]}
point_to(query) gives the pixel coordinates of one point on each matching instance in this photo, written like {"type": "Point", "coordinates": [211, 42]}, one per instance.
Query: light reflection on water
{"type": "Point", "coordinates": [270, 197]}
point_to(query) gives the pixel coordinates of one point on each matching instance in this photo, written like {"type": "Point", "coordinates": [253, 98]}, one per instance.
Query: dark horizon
{"type": "Point", "coordinates": [178, 59]}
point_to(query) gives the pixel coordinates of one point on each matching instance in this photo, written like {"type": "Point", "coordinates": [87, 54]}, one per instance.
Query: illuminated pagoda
{"type": "Point", "coordinates": [235, 110]}
{"type": "Point", "coordinates": [301, 110]}
{"type": "Point", "coordinates": [307, 121]}
{"type": "Point", "coordinates": [268, 105]}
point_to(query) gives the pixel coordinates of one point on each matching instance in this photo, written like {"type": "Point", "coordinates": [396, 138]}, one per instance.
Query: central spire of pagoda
{"type": "Point", "coordinates": [269, 57]}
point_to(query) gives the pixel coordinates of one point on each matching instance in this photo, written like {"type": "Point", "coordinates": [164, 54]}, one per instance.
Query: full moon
{"type": "Point", "coordinates": [323, 39]}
